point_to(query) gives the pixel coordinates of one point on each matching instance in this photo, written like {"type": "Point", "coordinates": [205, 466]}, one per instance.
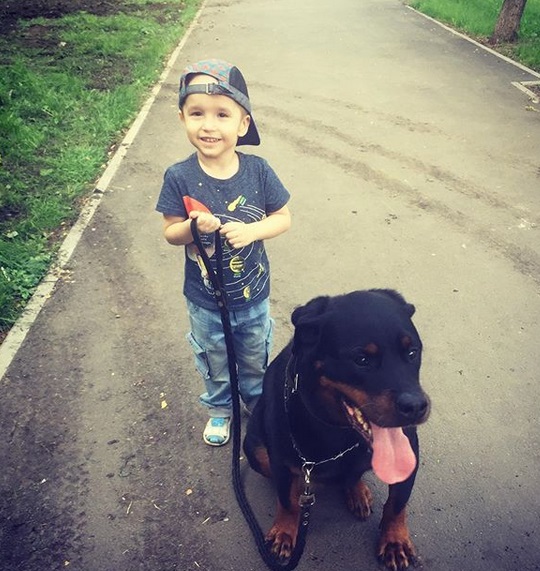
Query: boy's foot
{"type": "Point", "coordinates": [216, 432]}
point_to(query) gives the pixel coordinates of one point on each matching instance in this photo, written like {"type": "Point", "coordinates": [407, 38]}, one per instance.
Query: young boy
{"type": "Point", "coordinates": [241, 196]}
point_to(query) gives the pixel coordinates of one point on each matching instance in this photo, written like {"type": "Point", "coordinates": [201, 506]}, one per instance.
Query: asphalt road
{"type": "Point", "coordinates": [413, 163]}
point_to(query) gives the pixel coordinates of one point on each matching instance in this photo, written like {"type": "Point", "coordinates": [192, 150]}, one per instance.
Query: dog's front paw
{"type": "Point", "coordinates": [396, 553]}
{"type": "Point", "coordinates": [281, 543]}
{"type": "Point", "coordinates": [359, 500]}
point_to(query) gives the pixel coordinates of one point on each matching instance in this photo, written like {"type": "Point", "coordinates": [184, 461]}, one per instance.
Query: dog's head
{"type": "Point", "coordinates": [358, 358]}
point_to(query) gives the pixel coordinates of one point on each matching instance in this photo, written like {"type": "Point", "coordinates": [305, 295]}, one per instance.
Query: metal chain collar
{"type": "Point", "coordinates": [307, 498]}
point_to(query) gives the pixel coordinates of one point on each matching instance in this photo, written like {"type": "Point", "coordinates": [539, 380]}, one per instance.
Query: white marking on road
{"type": "Point", "coordinates": [524, 86]}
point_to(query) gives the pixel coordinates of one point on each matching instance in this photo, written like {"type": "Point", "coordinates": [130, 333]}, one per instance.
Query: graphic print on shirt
{"type": "Point", "coordinates": [243, 278]}
{"type": "Point", "coordinates": [240, 201]}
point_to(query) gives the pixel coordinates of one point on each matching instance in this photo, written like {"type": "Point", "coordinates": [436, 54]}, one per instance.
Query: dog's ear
{"type": "Point", "coordinates": [312, 308]}
{"type": "Point", "coordinates": [307, 322]}
{"type": "Point", "coordinates": [393, 294]}
{"type": "Point", "coordinates": [307, 334]}
{"type": "Point", "coordinates": [410, 309]}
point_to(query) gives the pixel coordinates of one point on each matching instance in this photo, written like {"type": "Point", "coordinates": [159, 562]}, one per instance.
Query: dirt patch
{"type": "Point", "coordinates": [12, 11]}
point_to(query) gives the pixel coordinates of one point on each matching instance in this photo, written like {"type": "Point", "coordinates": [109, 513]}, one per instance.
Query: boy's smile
{"type": "Point", "coordinates": [213, 123]}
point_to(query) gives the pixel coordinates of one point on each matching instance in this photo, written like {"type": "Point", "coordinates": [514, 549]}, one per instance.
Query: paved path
{"type": "Point", "coordinates": [413, 163]}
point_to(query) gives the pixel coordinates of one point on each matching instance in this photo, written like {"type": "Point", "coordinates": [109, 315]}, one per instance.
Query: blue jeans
{"type": "Point", "coordinates": [252, 331]}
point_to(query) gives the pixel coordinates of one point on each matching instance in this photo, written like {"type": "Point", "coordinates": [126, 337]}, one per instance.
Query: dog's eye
{"type": "Point", "coordinates": [362, 360]}
{"type": "Point", "coordinates": [412, 353]}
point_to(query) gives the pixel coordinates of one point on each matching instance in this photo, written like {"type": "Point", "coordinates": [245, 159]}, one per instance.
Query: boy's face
{"type": "Point", "coordinates": [213, 122]}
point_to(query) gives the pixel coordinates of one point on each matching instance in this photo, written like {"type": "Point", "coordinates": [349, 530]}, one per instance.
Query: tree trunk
{"type": "Point", "coordinates": [507, 27]}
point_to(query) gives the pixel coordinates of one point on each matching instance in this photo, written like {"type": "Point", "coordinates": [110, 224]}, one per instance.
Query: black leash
{"type": "Point", "coordinates": [307, 498]}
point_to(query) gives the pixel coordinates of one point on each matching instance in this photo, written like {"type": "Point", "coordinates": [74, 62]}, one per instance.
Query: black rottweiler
{"type": "Point", "coordinates": [342, 398]}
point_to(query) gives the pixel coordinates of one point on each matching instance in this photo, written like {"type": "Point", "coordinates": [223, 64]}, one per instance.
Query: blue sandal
{"type": "Point", "coordinates": [216, 432]}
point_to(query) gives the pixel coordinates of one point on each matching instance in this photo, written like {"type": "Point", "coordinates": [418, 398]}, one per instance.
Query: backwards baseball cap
{"type": "Point", "coordinates": [231, 83]}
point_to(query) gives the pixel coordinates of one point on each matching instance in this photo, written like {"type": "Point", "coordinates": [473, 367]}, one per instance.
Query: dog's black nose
{"type": "Point", "coordinates": [414, 407]}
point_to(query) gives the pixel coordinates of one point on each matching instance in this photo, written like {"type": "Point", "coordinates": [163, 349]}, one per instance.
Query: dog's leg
{"type": "Point", "coordinates": [255, 449]}
{"type": "Point", "coordinates": [396, 549]}
{"type": "Point", "coordinates": [261, 461]}
{"type": "Point", "coordinates": [283, 533]}
{"type": "Point", "coordinates": [359, 499]}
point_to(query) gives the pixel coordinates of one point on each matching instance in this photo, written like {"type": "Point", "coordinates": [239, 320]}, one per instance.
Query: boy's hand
{"type": "Point", "coordinates": [238, 234]}
{"type": "Point", "coordinates": [206, 222]}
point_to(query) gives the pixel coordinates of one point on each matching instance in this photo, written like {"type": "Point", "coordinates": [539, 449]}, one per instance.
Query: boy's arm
{"type": "Point", "coordinates": [177, 230]}
{"type": "Point", "coordinates": [240, 235]}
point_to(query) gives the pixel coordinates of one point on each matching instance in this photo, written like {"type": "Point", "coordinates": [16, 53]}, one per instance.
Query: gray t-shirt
{"type": "Point", "coordinates": [252, 193]}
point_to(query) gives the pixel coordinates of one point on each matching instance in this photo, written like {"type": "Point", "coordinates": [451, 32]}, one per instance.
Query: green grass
{"type": "Point", "coordinates": [69, 88]}
{"type": "Point", "coordinates": [477, 18]}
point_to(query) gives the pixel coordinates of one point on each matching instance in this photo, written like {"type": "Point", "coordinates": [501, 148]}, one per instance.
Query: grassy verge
{"type": "Point", "coordinates": [69, 87]}
{"type": "Point", "coordinates": [477, 19]}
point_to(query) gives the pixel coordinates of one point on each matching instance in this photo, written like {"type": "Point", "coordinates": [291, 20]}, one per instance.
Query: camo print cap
{"type": "Point", "coordinates": [231, 83]}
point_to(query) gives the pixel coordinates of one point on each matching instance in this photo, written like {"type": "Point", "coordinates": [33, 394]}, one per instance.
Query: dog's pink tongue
{"type": "Point", "coordinates": [393, 459]}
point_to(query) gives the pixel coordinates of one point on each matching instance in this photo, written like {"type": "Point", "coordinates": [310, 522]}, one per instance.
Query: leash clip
{"type": "Point", "coordinates": [307, 498]}
{"type": "Point", "coordinates": [307, 468]}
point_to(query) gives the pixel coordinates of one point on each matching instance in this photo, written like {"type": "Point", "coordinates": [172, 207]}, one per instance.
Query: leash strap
{"type": "Point", "coordinates": [307, 498]}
